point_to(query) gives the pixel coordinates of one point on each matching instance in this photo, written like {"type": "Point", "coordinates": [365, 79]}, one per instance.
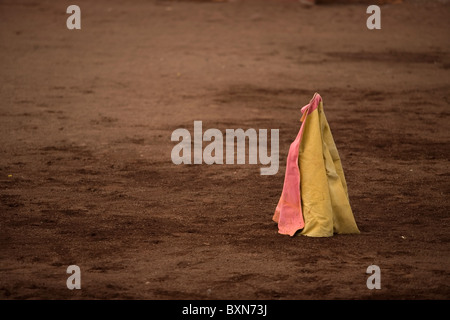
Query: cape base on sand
{"type": "Point", "coordinates": [314, 201]}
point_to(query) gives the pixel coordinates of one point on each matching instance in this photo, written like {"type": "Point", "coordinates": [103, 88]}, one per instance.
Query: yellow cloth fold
{"type": "Point", "coordinates": [324, 196]}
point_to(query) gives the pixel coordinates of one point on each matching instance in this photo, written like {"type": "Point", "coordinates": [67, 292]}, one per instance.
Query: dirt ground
{"type": "Point", "coordinates": [86, 176]}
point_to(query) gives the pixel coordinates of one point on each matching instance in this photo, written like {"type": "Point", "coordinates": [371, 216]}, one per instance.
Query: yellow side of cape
{"type": "Point", "coordinates": [325, 202]}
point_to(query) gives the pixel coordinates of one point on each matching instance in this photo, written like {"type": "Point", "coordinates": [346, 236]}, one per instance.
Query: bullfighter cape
{"type": "Point", "coordinates": [314, 201]}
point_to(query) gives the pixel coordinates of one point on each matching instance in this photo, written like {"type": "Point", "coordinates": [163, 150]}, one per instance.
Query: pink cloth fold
{"type": "Point", "coordinates": [288, 213]}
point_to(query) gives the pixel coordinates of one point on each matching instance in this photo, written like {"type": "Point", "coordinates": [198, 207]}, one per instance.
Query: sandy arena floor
{"type": "Point", "coordinates": [86, 176]}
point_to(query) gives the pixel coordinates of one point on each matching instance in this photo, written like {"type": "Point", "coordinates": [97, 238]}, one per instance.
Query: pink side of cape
{"type": "Point", "coordinates": [288, 213]}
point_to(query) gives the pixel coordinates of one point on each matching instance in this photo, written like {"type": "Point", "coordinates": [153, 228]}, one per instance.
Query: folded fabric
{"type": "Point", "coordinates": [314, 201]}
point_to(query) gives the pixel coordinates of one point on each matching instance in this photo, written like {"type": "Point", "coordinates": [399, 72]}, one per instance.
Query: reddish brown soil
{"type": "Point", "coordinates": [85, 124]}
